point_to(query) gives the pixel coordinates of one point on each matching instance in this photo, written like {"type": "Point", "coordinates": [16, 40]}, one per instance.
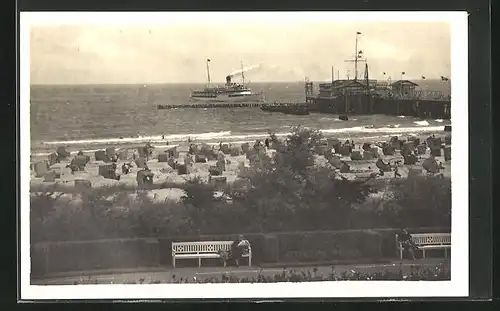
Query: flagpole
{"type": "Point", "coordinates": [242, 74]}
{"type": "Point", "coordinates": [356, 58]}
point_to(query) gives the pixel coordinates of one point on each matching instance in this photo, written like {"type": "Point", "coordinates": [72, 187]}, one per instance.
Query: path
{"type": "Point", "coordinates": [166, 275]}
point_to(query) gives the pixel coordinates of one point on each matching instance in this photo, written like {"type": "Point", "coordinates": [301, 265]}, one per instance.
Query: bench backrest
{"type": "Point", "coordinates": [431, 238]}
{"type": "Point", "coordinates": [200, 247]}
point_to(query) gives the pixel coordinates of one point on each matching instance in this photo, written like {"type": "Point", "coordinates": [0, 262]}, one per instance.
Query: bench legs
{"type": "Point", "coordinates": [249, 261]}
{"type": "Point", "coordinates": [445, 253]}
{"type": "Point", "coordinates": [423, 253]}
{"type": "Point", "coordinates": [199, 262]}
{"type": "Point", "coordinates": [173, 261]}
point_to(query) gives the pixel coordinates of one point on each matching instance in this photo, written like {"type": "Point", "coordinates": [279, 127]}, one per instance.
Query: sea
{"type": "Point", "coordinates": [90, 117]}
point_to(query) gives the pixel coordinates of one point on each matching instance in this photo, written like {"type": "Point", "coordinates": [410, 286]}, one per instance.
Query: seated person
{"type": "Point", "coordinates": [239, 248]}
{"type": "Point", "coordinates": [407, 243]}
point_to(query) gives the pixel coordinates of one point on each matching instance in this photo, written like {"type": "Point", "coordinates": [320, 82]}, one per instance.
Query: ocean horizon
{"type": "Point", "coordinates": [418, 81]}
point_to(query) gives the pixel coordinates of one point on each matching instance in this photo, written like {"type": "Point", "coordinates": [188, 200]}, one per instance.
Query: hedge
{"type": "Point", "coordinates": [281, 247]}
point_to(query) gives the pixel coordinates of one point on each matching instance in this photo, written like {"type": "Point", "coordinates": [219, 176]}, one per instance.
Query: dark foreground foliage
{"type": "Point", "coordinates": [286, 192]}
{"type": "Point", "coordinates": [438, 273]}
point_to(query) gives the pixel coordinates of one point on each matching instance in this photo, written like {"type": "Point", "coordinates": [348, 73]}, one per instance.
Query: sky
{"type": "Point", "coordinates": [108, 53]}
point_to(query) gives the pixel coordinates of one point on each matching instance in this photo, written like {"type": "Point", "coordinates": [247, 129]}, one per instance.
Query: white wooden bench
{"type": "Point", "coordinates": [426, 241]}
{"type": "Point", "coordinates": [207, 249]}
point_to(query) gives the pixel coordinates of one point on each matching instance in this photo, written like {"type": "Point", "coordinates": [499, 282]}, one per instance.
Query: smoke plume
{"type": "Point", "coordinates": [244, 69]}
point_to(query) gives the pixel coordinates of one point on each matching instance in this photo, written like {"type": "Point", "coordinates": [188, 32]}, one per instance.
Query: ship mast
{"type": "Point", "coordinates": [242, 74]}
{"type": "Point", "coordinates": [208, 71]}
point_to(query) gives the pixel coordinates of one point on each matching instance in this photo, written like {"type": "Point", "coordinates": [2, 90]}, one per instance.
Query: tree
{"type": "Point", "coordinates": [198, 199]}
{"type": "Point", "coordinates": [421, 201]}
{"type": "Point", "coordinates": [297, 152]}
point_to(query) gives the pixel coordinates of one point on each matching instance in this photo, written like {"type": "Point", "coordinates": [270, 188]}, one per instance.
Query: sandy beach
{"type": "Point", "coordinates": [164, 174]}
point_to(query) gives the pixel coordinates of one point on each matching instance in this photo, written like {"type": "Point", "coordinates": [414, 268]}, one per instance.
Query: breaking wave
{"type": "Point", "coordinates": [421, 123]}
{"type": "Point", "coordinates": [228, 136]}
{"type": "Point", "coordinates": [143, 139]}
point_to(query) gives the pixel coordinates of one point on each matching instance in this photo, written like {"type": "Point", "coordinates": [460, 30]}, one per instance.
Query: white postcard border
{"type": "Point", "coordinates": [458, 286]}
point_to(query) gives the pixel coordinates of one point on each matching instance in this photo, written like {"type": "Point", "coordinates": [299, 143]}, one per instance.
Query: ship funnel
{"type": "Point", "coordinates": [228, 80]}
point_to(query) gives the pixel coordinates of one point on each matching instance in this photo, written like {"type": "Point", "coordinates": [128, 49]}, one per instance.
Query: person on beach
{"type": "Point", "coordinates": [396, 172]}
{"type": "Point", "coordinates": [238, 249]}
{"type": "Point", "coordinates": [257, 145]}
{"type": "Point", "coordinates": [220, 146]}
{"type": "Point", "coordinates": [162, 136]}
{"type": "Point", "coordinates": [126, 168]}
{"type": "Point", "coordinates": [407, 243]}
{"type": "Point", "coordinates": [72, 167]}
{"type": "Point", "coordinates": [266, 142]}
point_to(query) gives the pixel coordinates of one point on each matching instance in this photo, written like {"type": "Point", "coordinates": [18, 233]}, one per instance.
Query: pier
{"type": "Point", "coordinates": [363, 97]}
{"type": "Point", "coordinates": [366, 96]}
{"type": "Point", "coordinates": [296, 108]}
{"type": "Point", "coordinates": [213, 105]}
{"type": "Point", "coordinates": [366, 105]}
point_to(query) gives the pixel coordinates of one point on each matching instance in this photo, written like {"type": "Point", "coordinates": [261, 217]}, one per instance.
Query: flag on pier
{"type": "Point", "coordinates": [423, 78]}
{"type": "Point", "coordinates": [208, 59]}
{"type": "Point", "coordinates": [444, 78]}
{"type": "Point", "coordinates": [403, 73]}
{"type": "Point", "coordinates": [358, 33]}
{"type": "Point", "coordinates": [384, 73]}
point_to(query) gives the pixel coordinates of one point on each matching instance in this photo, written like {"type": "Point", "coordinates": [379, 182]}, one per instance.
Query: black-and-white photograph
{"type": "Point", "coordinates": [242, 151]}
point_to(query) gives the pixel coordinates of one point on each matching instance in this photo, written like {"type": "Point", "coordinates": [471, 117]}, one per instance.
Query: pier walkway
{"type": "Point", "coordinates": [213, 105]}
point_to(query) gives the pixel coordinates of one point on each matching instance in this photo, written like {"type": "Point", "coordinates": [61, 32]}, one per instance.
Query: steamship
{"type": "Point", "coordinates": [230, 92]}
